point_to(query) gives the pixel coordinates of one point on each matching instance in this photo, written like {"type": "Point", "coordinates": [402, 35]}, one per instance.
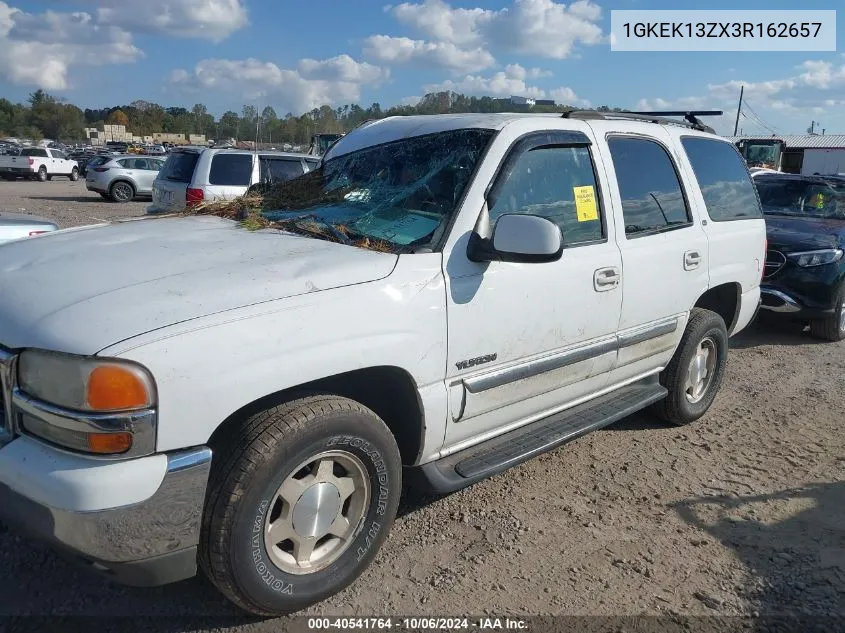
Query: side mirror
{"type": "Point", "coordinates": [518, 238]}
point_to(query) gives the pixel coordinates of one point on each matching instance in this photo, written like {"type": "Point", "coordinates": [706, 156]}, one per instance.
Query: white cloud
{"type": "Point", "coordinates": [314, 83]}
{"type": "Point", "coordinates": [505, 84]}
{"type": "Point", "coordinates": [816, 88]}
{"type": "Point", "coordinates": [518, 72]}
{"type": "Point", "coordinates": [401, 50]}
{"type": "Point", "coordinates": [39, 50]}
{"type": "Point", "coordinates": [214, 20]}
{"type": "Point", "coordinates": [544, 28]}
{"type": "Point", "coordinates": [437, 19]}
{"type": "Point", "coordinates": [341, 68]}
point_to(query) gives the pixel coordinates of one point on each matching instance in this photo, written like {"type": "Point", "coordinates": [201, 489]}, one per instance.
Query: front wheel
{"type": "Point", "coordinates": [833, 327]}
{"type": "Point", "coordinates": [300, 500]}
{"type": "Point", "coordinates": [695, 372]}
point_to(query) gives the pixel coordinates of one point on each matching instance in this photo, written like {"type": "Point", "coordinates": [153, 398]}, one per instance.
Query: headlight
{"type": "Point", "coordinates": [816, 258]}
{"type": "Point", "coordinates": [91, 405]}
{"type": "Point", "coordinates": [85, 384]}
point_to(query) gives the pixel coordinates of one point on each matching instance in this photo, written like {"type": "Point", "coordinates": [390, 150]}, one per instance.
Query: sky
{"type": "Point", "coordinates": [297, 55]}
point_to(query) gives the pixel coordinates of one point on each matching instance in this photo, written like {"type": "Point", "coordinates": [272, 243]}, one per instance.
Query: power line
{"type": "Point", "coordinates": [758, 118]}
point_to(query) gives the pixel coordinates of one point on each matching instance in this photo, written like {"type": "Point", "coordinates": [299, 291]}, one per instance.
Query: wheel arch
{"type": "Point", "coordinates": [724, 300]}
{"type": "Point", "coordinates": [390, 392]}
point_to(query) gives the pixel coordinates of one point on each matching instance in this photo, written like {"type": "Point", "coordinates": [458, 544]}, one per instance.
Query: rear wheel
{"type": "Point", "coordinates": [121, 191]}
{"type": "Point", "coordinates": [833, 327]}
{"type": "Point", "coordinates": [300, 500]}
{"type": "Point", "coordinates": [41, 176]}
{"type": "Point", "coordinates": [695, 372]}
{"type": "Point", "coordinates": [74, 175]}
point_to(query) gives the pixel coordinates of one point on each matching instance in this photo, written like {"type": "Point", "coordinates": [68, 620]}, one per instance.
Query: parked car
{"type": "Point", "coordinates": [15, 226]}
{"type": "Point", "coordinates": [123, 178]}
{"type": "Point", "coordinates": [38, 163]}
{"type": "Point", "coordinates": [194, 174]}
{"type": "Point", "coordinates": [449, 294]}
{"type": "Point", "coordinates": [805, 271]}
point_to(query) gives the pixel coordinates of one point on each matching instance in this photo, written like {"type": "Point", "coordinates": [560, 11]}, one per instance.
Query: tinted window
{"type": "Point", "coordinates": [725, 184]}
{"type": "Point", "coordinates": [231, 170]}
{"type": "Point", "coordinates": [97, 160]}
{"type": "Point", "coordinates": [179, 167]}
{"type": "Point", "coordinates": [34, 151]}
{"type": "Point", "coordinates": [793, 196]}
{"type": "Point", "coordinates": [652, 198]}
{"type": "Point", "coordinates": [279, 170]}
{"type": "Point", "coordinates": [557, 183]}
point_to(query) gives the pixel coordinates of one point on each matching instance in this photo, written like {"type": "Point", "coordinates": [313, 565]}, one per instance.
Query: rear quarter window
{"type": "Point", "coordinates": [179, 167]}
{"type": "Point", "coordinates": [726, 186]}
{"type": "Point", "coordinates": [232, 170]}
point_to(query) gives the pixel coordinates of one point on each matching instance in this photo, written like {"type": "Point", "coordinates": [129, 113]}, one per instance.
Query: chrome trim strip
{"type": "Point", "coordinates": [789, 304]}
{"type": "Point", "coordinates": [177, 462]}
{"type": "Point", "coordinates": [142, 424]}
{"type": "Point", "coordinates": [648, 333]}
{"type": "Point", "coordinates": [501, 377]}
{"type": "Point", "coordinates": [167, 522]}
{"type": "Point", "coordinates": [504, 376]}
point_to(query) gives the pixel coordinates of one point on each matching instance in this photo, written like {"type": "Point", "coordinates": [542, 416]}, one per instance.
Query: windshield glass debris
{"type": "Point", "coordinates": [395, 197]}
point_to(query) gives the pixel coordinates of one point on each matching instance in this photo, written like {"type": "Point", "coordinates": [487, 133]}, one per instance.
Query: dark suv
{"type": "Point", "coordinates": [804, 277]}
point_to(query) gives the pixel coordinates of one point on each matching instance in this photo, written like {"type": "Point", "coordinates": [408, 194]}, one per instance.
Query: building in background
{"type": "Point", "coordinates": [805, 154]}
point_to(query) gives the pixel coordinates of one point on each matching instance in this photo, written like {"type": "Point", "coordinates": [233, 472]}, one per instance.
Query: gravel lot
{"type": "Point", "coordinates": [740, 513]}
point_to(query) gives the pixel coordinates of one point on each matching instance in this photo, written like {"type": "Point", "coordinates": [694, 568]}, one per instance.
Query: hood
{"type": "Point", "coordinates": [795, 234]}
{"type": "Point", "coordinates": [81, 290]}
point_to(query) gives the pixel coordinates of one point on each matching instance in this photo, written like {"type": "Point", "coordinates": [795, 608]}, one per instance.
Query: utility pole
{"type": "Point", "coordinates": [738, 109]}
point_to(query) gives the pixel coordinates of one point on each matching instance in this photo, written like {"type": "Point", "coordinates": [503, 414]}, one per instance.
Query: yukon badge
{"type": "Point", "coordinates": [472, 362]}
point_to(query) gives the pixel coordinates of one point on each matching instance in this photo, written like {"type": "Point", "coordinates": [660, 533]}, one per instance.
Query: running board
{"type": "Point", "coordinates": [484, 460]}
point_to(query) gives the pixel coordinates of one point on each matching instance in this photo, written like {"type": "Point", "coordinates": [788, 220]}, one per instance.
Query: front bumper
{"type": "Point", "coordinates": [791, 305]}
{"type": "Point", "coordinates": [147, 543]}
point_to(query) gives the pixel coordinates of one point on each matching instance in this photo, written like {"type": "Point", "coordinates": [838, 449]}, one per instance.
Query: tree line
{"type": "Point", "coordinates": [46, 116]}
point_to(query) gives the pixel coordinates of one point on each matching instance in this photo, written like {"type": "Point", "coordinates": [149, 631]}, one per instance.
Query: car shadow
{"type": "Point", "coordinates": [92, 197]}
{"type": "Point", "coordinates": [795, 558]}
{"type": "Point", "coordinates": [773, 331]}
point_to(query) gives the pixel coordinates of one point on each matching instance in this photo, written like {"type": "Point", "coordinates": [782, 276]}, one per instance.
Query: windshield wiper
{"type": "Point", "coordinates": [298, 223]}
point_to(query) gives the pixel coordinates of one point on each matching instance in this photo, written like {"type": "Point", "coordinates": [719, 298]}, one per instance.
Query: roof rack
{"type": "Point", "coordinates": [690, 117]}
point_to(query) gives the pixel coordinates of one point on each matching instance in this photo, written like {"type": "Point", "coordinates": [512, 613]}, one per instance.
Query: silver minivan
{"type": "Point", "coordinates": [191, 175]}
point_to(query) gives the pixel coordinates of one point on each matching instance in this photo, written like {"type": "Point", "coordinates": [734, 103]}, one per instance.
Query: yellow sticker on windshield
{"type": "Point", "coordinates": [585, 203]}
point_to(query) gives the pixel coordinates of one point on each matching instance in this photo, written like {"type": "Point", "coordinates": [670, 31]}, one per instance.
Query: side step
{"type": "Point", "coordinates": [481, 461]}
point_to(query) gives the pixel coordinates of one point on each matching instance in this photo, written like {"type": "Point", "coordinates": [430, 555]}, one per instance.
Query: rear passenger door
{"type": "Point", "coordinates": [664, 250]}
{"type": "Point", "coordinates": [731, 216]}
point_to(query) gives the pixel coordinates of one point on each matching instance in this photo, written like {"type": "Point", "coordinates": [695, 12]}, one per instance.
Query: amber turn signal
{"type": "Point", "coordinates": [113, 388]}
{"type": "Point", "coordinates": [109, 443]}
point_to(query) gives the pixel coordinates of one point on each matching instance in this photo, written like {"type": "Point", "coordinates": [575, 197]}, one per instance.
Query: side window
{"type": "Point", "coordinates": [556, 182]}
{"type": "Point", "coordinates": [231, 170]}
{"type": "Point", "coordinates": [723, 177]}
{"type": "Point", "coordinates": [126, 163]}
{"type": "Point", "coordinates": [279, 170]}
{"type": "Point", "coordinates": [652, 198]}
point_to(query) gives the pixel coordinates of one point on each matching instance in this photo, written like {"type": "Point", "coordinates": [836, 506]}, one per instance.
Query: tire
{"type": "Point", "coordinates": [74, 175]}
{"type": "Point", "coordinates": [833, 327]}
{"type": "Point", "coordinates": [704, 329]}
{"type": "Point", "coordinates": [122, 191]}
{"type": "Point", "coordinates": [245, 497]}
{"type": "Point", "coordinates": [41, 176]}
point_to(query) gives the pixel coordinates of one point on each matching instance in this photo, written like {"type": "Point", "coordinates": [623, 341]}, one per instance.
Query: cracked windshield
{"type": "Point", "coordinates": [401, 193]}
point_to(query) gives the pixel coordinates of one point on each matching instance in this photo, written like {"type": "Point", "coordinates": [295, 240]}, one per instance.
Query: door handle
{"type": "Point", "coordinates": [606, 278]}
{"type": "Point", "coordinates": [691, 260]}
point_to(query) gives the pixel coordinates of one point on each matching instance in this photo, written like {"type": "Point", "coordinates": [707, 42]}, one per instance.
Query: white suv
{"type": "Point", "coordinates": [448, 294]}
{"type": "Point", "coordinates": [193, 174]}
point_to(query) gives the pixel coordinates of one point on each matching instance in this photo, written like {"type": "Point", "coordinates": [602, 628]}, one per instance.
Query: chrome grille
{"type": "Point", "coordinates": [774, 262]}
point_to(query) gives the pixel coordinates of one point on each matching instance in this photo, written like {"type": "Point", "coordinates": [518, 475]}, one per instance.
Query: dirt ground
{"type": "Point", "coordinates": [741, 513]}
